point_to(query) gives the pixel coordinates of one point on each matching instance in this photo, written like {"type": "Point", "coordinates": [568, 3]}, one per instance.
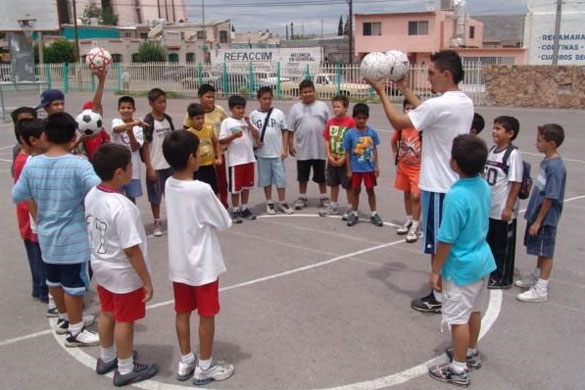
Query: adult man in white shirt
{"type": "Point", "coordinates": [441, 119]}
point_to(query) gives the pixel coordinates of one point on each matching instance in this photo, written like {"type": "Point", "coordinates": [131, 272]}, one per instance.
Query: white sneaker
{"type": "Point", "coordinates": [185, 370]}
{"type": "Point", "coordinates": [404, 228]}
{"type": "Point", "coordinates": [85, 338]}
{"type": "Point", "coordinates": [301, 203]}
{"type": "Point", "coordinates": [157, 231]}
{"type": "Point", "coordinates": [218, 371]}
{"type": "Point", "coordinates": [527, 281]}
{"type": "Point", "coordinates": [324, 202]}
{"type": "Point", "coordinates": [63, 325]}
{"type": "Point", "coordinates": [270, 209]}
{"type": "Point", "coordinates": [412, 235]}
{"type": "Point", "coordinates": [285, 208]}
{"type": "Point", "coordinates": [533, 295]}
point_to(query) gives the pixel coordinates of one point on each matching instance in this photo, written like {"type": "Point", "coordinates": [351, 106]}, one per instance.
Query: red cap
{"type": "Point", "coordinates": [87, 106]}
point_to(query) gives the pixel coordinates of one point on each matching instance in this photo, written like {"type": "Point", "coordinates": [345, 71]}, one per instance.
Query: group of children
{"type": "Point", "coordinates": [71, 211]}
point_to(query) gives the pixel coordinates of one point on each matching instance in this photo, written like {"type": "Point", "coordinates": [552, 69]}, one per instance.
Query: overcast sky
{"type": "Point", "coordinates": [270, 14]}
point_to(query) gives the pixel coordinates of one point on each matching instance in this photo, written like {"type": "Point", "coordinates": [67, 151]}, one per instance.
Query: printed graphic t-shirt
{"type": "Point", "coordinates": [123, 139]}
{"type": "Point", "coordinates": [273, 135]}
{"type": "Point", "coordinates": [361, 145]}
{"type": "Point", "coordinates": [157, 159]}
{"type": "Point", "coordinates": [335, 132]}
{"type": "Point", "coordinates": [410, 146]}
{"type": "Point", "coordinates": [241, 150]}
{"type": "Point", "coordinates": [206, 152]}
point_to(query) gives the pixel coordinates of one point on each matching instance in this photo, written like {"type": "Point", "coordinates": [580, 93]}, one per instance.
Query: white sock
{"type": "Point", "coordinates": [438, 296]}
{"type": "Point", "coordinates": [108, 354]}
{"type": "Point", "coordinates": [205, 364]}
{"type": "Point", "coordinates": [471, 351]}
{"type": "Point", "coordinates": [409, 218]}
{"type": "Point", "coordinates": [75, 329]}
{"type": "Point", "coordinates": [303, 196]}
{"type": "Point", "coordinates": [355, 212]}
{"type": "Point", "coordinates": [415, 224]}
{"type": "Point", "coordinates": [334, 204]}
{"type": "Point", "coordinates": [458, 367]}
{"type": "Point", "coordinates": [374, 213]}
{"type": "Point", "coordinates": [269, 201]}
{"type": "Point", "coordinates": [542, 285]}
{"type": "Point", "coordinates": [125, 366]}
{"type": "Point", "coordinates": [64, 316]}
{"type": "Point", "coordinates": [243, 206]}
{"type": "Point", "coordinates": [188, 358]}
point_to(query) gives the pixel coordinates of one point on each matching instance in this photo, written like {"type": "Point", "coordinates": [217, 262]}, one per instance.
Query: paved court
{"type": "Point", "coordinates": [308, 303]}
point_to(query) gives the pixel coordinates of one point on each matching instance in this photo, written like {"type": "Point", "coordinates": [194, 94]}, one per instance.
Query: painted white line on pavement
{"type": "Point", "coordinates": [28, 336]}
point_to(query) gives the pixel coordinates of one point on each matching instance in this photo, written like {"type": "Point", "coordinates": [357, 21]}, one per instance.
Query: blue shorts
{"type": "Point", "coordinates": [432, 215]}
{"type": "Point", "coordinates": [72, 278]}
{"type": "Point", "coordinates": [156, 189]}
{"type": "Point", "coordinates": [132, 189]}
{"type": "Point", "coordinates": [543, 244]}
{"type": "Point", "coordinates": [271, 171]}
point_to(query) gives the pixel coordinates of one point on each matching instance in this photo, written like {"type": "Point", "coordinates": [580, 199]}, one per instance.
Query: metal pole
{"type": "Point", "coordinates": [75, 30]}
{"type": "Point", "coordinates": [555, 56]}
{"type": "Point", "coordinates": [350, 2]}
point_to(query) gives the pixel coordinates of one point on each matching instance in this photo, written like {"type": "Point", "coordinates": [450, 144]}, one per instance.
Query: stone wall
{"type": "Point", "coordinates": [535, 86]}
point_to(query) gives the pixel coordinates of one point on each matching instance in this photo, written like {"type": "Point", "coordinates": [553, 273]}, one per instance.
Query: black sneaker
{"type": "Point", "coordinates": [139, 373]}
{"type": "Point", "coordinates": [352, 219]}
{"type": "Point", "coordinates": [235, 216]}
{"type": "Point", "coordinates": [246, 213]}
{"type": "Point", "coordinates": [494, 284]}
{"type": "Point", "coordinates": [444, 373]}
{"type": "Point", "coordinates": [376, 220]}
{"type": "Point", "coordinates": [426, 304]}
{"type": "Point", "coordinates": [102, 368]}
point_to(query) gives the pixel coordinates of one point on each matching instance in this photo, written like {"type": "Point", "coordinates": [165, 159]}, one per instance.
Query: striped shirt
{"type": "Point", "coordinates": [58, 185]}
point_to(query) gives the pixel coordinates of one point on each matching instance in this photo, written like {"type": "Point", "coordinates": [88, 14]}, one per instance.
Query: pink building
{"type": "Point", "coordinates": [421, 33]}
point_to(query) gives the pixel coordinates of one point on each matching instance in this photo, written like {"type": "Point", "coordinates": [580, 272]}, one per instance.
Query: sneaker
{"type": "Point", "coordinates": [85, 338]}
{"type": "Point", "coordinates": [376, 220]}
{"type": "Point", "coordinates": [301, 203]}
{"type": "Point", "coordinates": [324, 202]}
{"type": "Point", "coordinates": [235, 216]}
{"type": "Point", "coordinates": [404, 228]}
{"type": "Point", "coordinates": [345, 215]}
{"type": "Point", "coordinates": [102, 368]}
{"type": "Point", "coordinates": [426, 304]}
{"type": "Point", "coordinates": [444, 373]}
{"type": "Point", "coordinates": [157, 230]}
{"type": "Point", "coordinates": [270, 209]}
{"type": "Point", "coordinates": [533, 295]}
{"type": "Point", "coordinates": [249, 215]}
{"type": "Point", "coordinates": [494, 284]}
{"type": "Point", "coordinates": [526, 281]}
{"type": "Point", "coordinates": [412, 235]}
{"type": "Point", "coordinates": [218, 371]}
{"type": "Point", "coordinates": [285, 208]}
{"type": "Point", "coordinates": [352, 219]}
{"type": "Point", "coordinates": [52, 312]}
{"type": "Point", "coordinates": [186, 370]}
{"type": "Point", "coordinates": [139, 373]}
{"type": "Point", "coordinates": [473, 361]}
{"type": "Point", "coordinates": [63, 325]}
{"type": "Point", "coordinates": [329, 210]}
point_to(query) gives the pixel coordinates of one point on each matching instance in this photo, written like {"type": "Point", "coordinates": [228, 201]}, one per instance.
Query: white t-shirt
{"type": "Point", "coordinates": [194, 216]}
{"type": "Point", "coordinates": [241, 150]}
{"type": "Point", "coordinates": [114, 224]}
{"type": "Point", "coordinates": [123, 139]}
{"type": "Point", "coordinates": [440, 119]}
{"type": "Point", "coordinates": [500, 183]}
{"type": "Point", "coordinates": [273, 136]}
{"type": "Point", "coordinates": [157, 159]}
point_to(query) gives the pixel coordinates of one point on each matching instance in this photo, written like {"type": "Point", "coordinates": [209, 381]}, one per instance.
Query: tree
{"type": "Point", "coordinates": [340, 26]}
{"type": "Point", "coordinates": [58, 52]}
{"type": "Point", "coordinates": [346, 27]}
{"type": "Point", "coordinates": [105, 16]}
{"type": "Point", "coordinates": [151, 52]}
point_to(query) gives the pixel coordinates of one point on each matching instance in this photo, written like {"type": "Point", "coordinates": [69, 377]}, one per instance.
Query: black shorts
{"type": "Point", "coordinates": [337, 176]}
{"type": "Point", "coordinates": [502, 240]}
{"type": "Point", "coordinates": [207, 175]}
{"type": "Point", "coordinates": [72, 278]}
{"type": "Point", "coordinates": [304, 170]}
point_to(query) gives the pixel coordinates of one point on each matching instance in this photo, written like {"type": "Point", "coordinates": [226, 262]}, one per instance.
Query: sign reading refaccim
{"type": "Point", "coordinates": [310, 55]}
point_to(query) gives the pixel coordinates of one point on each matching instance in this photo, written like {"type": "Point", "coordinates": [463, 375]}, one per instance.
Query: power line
{"type": "Point", "coordinates": [275, 4]}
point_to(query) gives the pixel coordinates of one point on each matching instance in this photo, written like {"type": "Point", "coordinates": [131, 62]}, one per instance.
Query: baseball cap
{"type": "Point", "coordinates": [87, 106]}
{"type": "Point", "coordinates": [49, 96]}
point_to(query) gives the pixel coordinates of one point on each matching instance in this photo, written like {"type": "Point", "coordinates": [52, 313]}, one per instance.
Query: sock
{"type": "Point", "coordinates": [205, 364]}
{"type": "Point", "coordinates": [409, 218]}
{"type": "Point", "coordinates": [269, 201]}
{"type": "Point", "coordinates": [157, 221]}
{"type": "Point", "coordinates": [323, 196]}
{"type": "Point", "coordinates": [415, 224]}
{"type": "Point", "coordinates": [374, 213]}
{"type": "Point", "coordinates": [355, 212]}
{"type": "Point", "coordinates": [471, 351]}
{"type": "Point", "coordinates": [334, 204]}
{"type": "Point", "coordinates": [303, 196]}
{"type": "Point", "coordinates": [438, 296]}
{"type": "Point", "coordinates": [536, 273]}
{"type": "Point", "coordinates": [125, 366]}
{"type": "Point", "coordinates": [243, 206]}
{"type": "Point", "coordinates": [458, 367]}
{"type": "Point", "coordinates": [108, 354]}
{"type": "Point", "coordinates": [75, 329]}
{"type": "Point", "coordinates": [542, 285]}
{"type": "Point", "coordinates": [64, 316]}
{"type": "Point", "coordinates": [188, 358]}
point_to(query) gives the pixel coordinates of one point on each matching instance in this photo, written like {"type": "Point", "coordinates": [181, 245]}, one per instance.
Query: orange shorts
{"type": "Point", "coordinates": [407, 178]}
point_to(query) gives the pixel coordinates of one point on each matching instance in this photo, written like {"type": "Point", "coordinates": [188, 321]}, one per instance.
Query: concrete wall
{"type": "Point", "coordinates": [535, 86]}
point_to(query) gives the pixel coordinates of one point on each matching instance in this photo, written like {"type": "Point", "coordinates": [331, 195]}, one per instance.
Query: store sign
{"type": "Point", "coordinates": [286, 56]}
{"type": "Point", "coordinates": [540, 39]}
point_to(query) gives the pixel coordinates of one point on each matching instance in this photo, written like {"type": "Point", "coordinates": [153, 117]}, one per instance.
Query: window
{"type": "Point", "coordinates": [419, 27]}
{"type": "Point", "coordinates": [190, 57]}
{"type": "Point", "coordinates": [223, 37]}
{"type": "Point", "coordinates": [144, 36]}
{"type": "Point", "coordinates": [201, 34]}
{"type": "Point", "coordinates": [373, 28]}
{"type": "Point", "coordinates": [471, 32]}
{"type": "Point", "coordinates": [173, 57]}
{"type": "Point", "coordinates": [116, 58]}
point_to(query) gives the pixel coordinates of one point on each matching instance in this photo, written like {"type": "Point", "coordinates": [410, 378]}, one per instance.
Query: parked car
{"type": "Point", "coordinates": [326, 86]}
{"type": "Point", "coordinates": [193, 81]}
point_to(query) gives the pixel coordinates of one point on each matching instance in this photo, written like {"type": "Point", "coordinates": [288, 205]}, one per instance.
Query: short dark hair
{"type": "Point", "coordinates": [470, 153]}
{"type": "Point", "coordinates": [361, 108]}
{"type": "Point", "coordinates": [449, 60]}
{"type": "Point", "coordinates": [155, 93]}
{"type": "Point", "coordinates": [236, 100]}
{"type": "Point", "coordinates": [552, 132]}
{"type": "Point", "coordinates": [509, 123]}
{"type": "Point", "coordinates": [60, 128]}
{"type": "Point", "coordinates": [195, 109]}
{"type": "Point", "coordinates": [262, 90]}
{"type": "Point", "coordinates": [178, 146]}
{"type": "Point", "coordinates": [204, 88]}
{"type": "Point", "coordinates": [110, 157]}
{"type": "Point", "coordinates": [22, 110]}
{"type": "Point", "coordinates": [127, 99]}
{"type": "Point", "coordinates": [27, 128]}
{"type": "Point", "coordinates": [406, 101]}
{"type": "Point", "coordinates": [341, 98]}
{"type": "Point", "coordinates": [306, 84]}
{"type": "Point", "coordinates": [478, 123]}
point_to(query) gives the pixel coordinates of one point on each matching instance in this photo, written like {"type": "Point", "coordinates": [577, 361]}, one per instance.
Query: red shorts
{"type": "Point", "coordinates": [240, 177]}
{"type": "Point", "coordinates": [369, 179]}
{"type": "Point", "coordinates": [204, 299]}
{"type": "Point", "coordinates": [127, 307]}
{"type": "Point", "coordinates": [407, 178]}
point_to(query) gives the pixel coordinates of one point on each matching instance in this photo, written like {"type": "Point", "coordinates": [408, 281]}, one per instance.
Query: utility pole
{"type": "Point", "coordinates": [75, 30]}
{"type": "Point", "coordinates": [350, 3]}
{"type": "Point", "coordinates": [555, 56]}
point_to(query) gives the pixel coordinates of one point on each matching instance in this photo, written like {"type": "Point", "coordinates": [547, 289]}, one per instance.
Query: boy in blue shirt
{"type": "Point", "coordinates": [543, 213]}
{"type": "Point", "coordinates": [464, 260]}
{"type": "Point", "coordinates": [361, 161]}
{"type": "Point", "coordinates": [57, 182]}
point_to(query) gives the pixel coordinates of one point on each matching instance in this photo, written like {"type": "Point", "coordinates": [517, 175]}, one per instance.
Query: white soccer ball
{"type": "Point", "coordinates": [98, 59]}
{"type": "Point", "coordinates": [400, 64]}
{"type": "Point", "coordinates": [376, 66]}
{"type": "Point", "coordinates": [89, 123]}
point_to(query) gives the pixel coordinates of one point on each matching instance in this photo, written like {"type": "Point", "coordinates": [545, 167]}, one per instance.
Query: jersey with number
{"type": "Point", "coordinates": [114, 224]}
{"type": "Point", "coordinates": [500, 178]}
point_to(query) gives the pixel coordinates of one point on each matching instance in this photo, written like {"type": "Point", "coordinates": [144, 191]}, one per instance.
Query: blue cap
{"type": "Point", "coordinates": [50, 95]}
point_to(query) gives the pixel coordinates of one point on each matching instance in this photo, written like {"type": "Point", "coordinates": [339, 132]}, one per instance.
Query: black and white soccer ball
{"type": "Point", "coordinates": [89, 122]}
